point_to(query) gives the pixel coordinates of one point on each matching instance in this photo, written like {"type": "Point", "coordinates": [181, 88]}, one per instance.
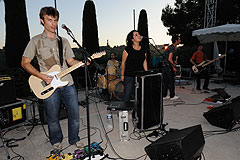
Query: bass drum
{"type": "Point", "coordinates": [102, 82]}
{"type": "Point", "coordinates": [116, 88]}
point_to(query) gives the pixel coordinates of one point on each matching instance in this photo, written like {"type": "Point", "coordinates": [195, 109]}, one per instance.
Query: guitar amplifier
{"type": "Point", "coordinates": [7, 89]}
{"type": "Point", "coordinates": [12, 113]}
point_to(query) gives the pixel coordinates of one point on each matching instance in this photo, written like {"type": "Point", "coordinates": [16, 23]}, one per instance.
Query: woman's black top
{"type": "Point", "coordinates": [134, 61]}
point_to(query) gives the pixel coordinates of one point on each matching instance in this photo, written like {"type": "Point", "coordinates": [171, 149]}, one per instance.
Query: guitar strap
{"type": "Point", "coordinates": [60, 48]}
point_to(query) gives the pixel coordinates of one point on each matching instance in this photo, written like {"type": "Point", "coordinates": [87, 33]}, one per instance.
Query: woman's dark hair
{"type": "Point", "coordinates": [48, 11]}
{"type": "Point", "coordinates": [129, 41]}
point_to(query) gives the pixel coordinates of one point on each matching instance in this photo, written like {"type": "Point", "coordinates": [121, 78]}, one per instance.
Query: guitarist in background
{"type": "Point", "coordinates": [197, 58]}
{"type": "Point", "coordinates": [45, 47]}
{"type": "Point", "coordinates": [168, 69]}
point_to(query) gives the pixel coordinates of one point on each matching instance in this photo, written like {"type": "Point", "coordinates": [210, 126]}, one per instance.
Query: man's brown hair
{"type": "Point", "coordinates": [48, 11]}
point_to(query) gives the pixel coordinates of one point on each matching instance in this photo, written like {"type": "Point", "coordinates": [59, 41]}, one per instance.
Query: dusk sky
{"type": "Point", "coordinates": [114, 19]}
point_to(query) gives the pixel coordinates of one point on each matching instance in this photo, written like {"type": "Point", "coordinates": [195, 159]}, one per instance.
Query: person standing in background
{"type": "Point", "coordinates": [197, 58]}
{"type": "Point", "coordinates": [168, 69]}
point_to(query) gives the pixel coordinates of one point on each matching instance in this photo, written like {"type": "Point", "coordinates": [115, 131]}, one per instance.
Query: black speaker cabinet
{"type": "Point", "coordinates": [184, 144]}
{"type": "Point", "coordinates": [12, 113]}
{"type": "Point", "coordinates": [7, 89]}
{"type": "Point", "coordinates": [43, 113]}
{"type": "Point", "coordinates": [148, 99]}
{"type": "Point", "coordinates": [224, 116]}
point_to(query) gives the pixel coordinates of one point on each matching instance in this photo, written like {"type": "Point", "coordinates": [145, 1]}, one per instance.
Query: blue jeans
{"type": "Point", "coordinates": [168, 82]}
{"type": "Point", "coordinates": [128, 88]}
{"type": "Point", "coordinates": [68, 96]}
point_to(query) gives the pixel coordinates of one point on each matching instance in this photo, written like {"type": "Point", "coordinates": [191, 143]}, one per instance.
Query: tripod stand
{"type": "Point", "coordinates": [3, 144]}
{"type": "Point", "coordinates": [34, 120]}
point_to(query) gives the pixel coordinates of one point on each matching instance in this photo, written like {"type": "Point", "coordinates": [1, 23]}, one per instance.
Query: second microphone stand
{"type": "Point", "coordinates": [86, 55]}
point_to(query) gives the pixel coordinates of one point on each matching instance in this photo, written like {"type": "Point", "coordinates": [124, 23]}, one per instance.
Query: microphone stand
{"type": "Point", "coordinates": [162, 125]}
{"type": "Point", "coordinates": [85, 55]}
{"type": "Point", "coordinates": [161, 54]}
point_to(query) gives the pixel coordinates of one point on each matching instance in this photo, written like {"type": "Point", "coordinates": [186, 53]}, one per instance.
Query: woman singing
{"type": "Point", "coordinates": [134, 58]}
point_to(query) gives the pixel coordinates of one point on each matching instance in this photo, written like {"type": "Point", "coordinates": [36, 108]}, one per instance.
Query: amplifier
{"type": "Point", "coordinates": [7, 90]}
{"type": "Point", "coordinates": [12, 113]}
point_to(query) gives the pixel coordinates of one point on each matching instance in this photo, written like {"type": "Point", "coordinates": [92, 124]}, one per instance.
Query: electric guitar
{"type": "Point", "coordinates": [43, 90]}
{"type": "Point", "coordinates": [201, 66]}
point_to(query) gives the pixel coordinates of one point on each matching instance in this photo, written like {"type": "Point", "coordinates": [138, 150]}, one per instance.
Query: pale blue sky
{"type": "Point", "coordinates": [114, 19]}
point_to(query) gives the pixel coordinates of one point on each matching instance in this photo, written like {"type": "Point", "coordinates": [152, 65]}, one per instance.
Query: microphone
{"type": "Point", "coordinates": [144, 37]}
{"type": "Point", "coordinates": [66, 28]}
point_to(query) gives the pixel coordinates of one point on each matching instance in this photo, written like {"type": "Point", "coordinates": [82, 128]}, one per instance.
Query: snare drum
{"type": "Point", "coordinates": [116, 88]}
{"type": "Point", "coordinates": [102, 82]}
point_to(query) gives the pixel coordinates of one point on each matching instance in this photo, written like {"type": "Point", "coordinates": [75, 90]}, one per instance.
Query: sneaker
{"type": "Point", "coordinates": [79, 145]}
{"type": "Point", "coordinates": [57, 146]}
{"type": "Point", "coordinates": [174, 98]}
{"type": "Point", "coordinates": [167, 97]}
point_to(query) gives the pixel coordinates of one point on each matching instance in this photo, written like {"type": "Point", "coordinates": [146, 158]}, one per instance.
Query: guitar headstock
{"type": "Point", "coordinates": [98, 54]}
{"type": "Point", "coordinates": [223, 55]}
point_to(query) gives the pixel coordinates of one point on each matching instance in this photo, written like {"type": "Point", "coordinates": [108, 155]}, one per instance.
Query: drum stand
{"type": "Point", "coordinates": [108, 81]}
{"type": "Point", "coordinates": [96, 88]}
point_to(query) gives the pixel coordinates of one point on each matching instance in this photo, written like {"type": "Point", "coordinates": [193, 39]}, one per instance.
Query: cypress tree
{"type": "Point", "coordinates": [17, 32]}
{"type": "Point", "coordinates": [90, 29]}
{"type": "Point", "coordinates": [143, 31]}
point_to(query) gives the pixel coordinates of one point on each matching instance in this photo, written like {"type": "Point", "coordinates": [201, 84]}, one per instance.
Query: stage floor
{"type": "Point", "coordinates": [182, 113]}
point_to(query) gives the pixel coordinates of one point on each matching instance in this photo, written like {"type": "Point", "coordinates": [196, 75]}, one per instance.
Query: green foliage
{"type": "Point", "coordinates": [188, 15]}
{"type": "Point", "coordinates": [183, 18]}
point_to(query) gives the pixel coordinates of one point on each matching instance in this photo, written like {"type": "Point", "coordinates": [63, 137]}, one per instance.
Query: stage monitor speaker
{"type": "Point", "coordinates": [43, 113]}
{"type": "Point", "coordinates": [7, 90]}
{"type": "Point", "coordinates": [224, 116]}
{"type": "Point", "coordinates": [148, 97]}
{"type": "Point", "coordinates": [184, 144]}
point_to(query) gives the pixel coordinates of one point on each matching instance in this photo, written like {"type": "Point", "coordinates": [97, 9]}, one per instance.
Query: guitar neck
{"type": "Point", "coordinates": [70, 69]}
{"type": "Point", "coordinates": [212, 61]}
{"type": "Point", "coordinates": [77, 65]}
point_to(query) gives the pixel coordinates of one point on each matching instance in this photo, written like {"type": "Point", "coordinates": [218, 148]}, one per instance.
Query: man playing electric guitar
{"type": "Point", "coordinates": [168, 69]}
{"type": "Point", "coordinates": [46, 47]}
{"type": "Point", "coordinates": [197, 58]}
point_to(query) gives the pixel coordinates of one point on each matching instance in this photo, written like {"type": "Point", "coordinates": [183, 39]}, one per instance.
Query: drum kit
{"type": "Point", "coordinates": [112, 82]}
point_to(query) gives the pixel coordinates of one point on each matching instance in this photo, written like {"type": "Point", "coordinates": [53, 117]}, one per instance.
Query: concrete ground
{"type": "Point", "coordinates": [182, 113]}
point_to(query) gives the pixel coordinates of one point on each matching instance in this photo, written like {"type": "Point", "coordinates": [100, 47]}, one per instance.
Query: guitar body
{"type": "Point", "coordinates": [198, 69]}
{"type": "Point", "coordinates": [43, 90]}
